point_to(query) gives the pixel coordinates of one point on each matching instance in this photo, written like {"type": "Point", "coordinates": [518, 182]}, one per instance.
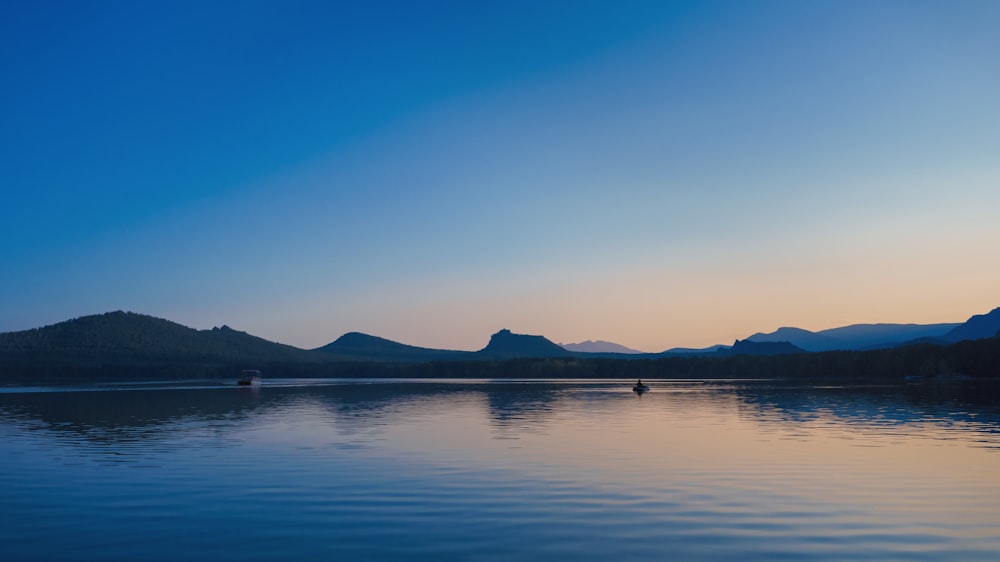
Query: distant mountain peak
{"type": "Point", "coordinates": [784, 330]}
{"type": "Point", "coordinates": [598, 346]}
{"type": "Point", "coordinates": [357, 346]}
{"type": "Point", "coordinates": [368, 342]}
{"type": "Point", "coordinates": [354, 338]}
{"type": "Point", "coordinates": [507, 343]}
{"type": "Point", "coordinates": [977, 327]}
{"type": "Point", "coordinates": [747, 347]}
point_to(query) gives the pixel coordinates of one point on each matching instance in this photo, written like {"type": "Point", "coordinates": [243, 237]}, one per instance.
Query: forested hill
{"type": "Point", "coordinates": [129, 333]}
{"type": "Point", "coordinates": [978, 327]}
{"type": "Point", "coordinates": [127, 344]}
{"type": "Point", "coordinates": [506, 344]}
{"type": "Point", "coordinates": [364, 347]}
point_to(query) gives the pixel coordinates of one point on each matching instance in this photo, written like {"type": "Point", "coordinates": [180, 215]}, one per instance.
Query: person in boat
{"type": "Point", "coordinates": [639, 384]}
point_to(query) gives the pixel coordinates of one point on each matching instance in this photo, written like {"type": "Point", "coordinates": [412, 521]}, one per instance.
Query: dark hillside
{"type": "Point", "coordinates": [120, 344]}
{"type": "Point", "coordinates": [363, 347]}
{"type": "Point", "coordinates": [808, 341]}
{"type": "Point", "coordinates": [747, 347]}
{"type": "Point", "coordinates": [505, 345]}
{"type": "Point", "coordinates": [874, 336]}
{"type": "Point", "coordinates": [978, 327]}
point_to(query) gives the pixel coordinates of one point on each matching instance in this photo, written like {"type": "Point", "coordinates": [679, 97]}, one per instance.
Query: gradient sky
{"type": "Point", "coordinates": [657, 174]}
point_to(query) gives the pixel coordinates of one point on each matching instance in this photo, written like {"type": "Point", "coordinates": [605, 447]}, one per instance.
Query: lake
{"type": "Point", "coordinates": [500, 470]}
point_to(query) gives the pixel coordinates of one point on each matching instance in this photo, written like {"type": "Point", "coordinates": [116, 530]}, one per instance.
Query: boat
{"type": "Point", "coordinates": [249, 377]}
{"type": "Point", "coordinates": [640, 388]}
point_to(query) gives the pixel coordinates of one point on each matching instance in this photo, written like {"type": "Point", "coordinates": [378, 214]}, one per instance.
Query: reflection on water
{"type": "Point", "coordinates": [481, 470]}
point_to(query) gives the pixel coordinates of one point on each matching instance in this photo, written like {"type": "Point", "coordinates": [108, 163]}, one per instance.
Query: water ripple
{"type": "Point", "coordinates": [581, 470]}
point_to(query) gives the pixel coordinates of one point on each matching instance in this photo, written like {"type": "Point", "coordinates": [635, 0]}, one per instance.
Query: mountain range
{"type": "Point", "coordinates": [124, 344]}
{"type": "Point", "coordinates": [857, 336]}
{"type": "Point", "coordinates": [880, 336]}
{"type": "Point", "coordinates": [355, 346]}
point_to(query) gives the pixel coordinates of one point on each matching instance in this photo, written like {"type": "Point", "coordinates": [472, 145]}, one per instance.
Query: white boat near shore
{"type": "Point", "coordinates": [249, 377]}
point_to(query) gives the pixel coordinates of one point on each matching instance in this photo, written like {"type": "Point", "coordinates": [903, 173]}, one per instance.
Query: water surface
{"type": "Point", "coordinates": [486, 470]}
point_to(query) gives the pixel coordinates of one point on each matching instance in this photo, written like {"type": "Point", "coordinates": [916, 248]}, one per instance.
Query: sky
{"type": "Point", "coordinates": [657, 174]}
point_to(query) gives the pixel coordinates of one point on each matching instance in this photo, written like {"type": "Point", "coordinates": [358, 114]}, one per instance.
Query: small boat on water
{"type": "Point", "coordinates": [249, 377]}
{"type": "Point", "coordinates": [640, 388]}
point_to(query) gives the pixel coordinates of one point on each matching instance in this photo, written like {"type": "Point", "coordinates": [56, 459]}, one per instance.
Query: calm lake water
{"type": "Point", "coordinates": [481, 470]}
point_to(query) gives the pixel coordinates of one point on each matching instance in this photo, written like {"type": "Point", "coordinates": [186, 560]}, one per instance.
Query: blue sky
{"type": "Point", "coordinates": [653, 173]}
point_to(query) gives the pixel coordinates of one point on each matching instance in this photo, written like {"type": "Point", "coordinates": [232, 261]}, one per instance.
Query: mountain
{"type": "Point", "coordinates": [125, 343]}
{"type": "Point", "coordinates": [355, 346]}
{"type": "Point", "coordinates": [855, 336]}
{"type": "Point", "coordinates": [116, 334]}
{"type": "Point", "coordinates": [869, 336]}
{"type": "Point", "coordinates": [505, 344]}
{"type": "Point", "coordinates": [693, 351]}
{"type": "Point", "coordinates": [809, 341]}
{"type": "Point", "coordinates": [599, 346]}
{"type": "Point", "coordinates": [978, 327]}
{"type": "Point", "coordinates": [747, 347]}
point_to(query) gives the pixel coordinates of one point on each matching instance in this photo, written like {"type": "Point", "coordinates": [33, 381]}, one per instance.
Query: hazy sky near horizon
{"type": "Point", "coordinates": [657, 174]}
